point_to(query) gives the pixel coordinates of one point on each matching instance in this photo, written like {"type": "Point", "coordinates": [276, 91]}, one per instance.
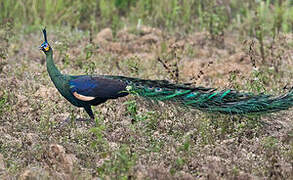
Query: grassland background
{"type": "Point", "coordinates": [245, 45]}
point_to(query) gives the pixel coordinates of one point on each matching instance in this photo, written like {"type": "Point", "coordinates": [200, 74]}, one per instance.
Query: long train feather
{"type": "Point", "coordinates": [208, 99]}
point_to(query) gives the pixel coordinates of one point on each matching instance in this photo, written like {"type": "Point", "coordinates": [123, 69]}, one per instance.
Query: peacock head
{"type": "Point", "coordinates": [45, 47]}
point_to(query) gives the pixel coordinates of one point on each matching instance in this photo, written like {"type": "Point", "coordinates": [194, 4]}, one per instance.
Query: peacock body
{"type": "Point", "coordinates": [86, 91]}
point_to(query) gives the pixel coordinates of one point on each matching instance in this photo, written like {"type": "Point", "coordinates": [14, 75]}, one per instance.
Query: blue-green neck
{"type": "Point", "coordinates": [51, 67]}
{"type": "Point", "coordinates": [58, 79]}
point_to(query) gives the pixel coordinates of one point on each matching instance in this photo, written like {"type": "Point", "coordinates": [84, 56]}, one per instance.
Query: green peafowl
{"type": "Point", "coordinates": [86, 91]}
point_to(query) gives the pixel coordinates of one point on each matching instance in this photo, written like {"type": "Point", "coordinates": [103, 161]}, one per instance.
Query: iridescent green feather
{"type": "Point", "coordinates": [209, 99]}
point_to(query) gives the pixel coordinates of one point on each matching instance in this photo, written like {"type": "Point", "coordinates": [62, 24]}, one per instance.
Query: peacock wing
{"type": "Point", "coordinates": [87, 88]}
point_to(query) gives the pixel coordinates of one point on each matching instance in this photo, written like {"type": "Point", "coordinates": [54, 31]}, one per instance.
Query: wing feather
{"type": "Point", "coordinates": [87, 88]}
{"type": "Point", "coordinates": [82, 97]}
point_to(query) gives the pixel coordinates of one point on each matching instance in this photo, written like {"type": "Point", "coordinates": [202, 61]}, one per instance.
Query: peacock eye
{"type": "Point", "coordinates": [158, 89]}
{"type": "Point", "coordinates": [150, 87]}
{"type": "Point", "coordinates": [178, 91]}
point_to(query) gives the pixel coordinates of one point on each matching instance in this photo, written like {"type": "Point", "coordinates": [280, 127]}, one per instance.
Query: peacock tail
{"type": "Point", "coordinates": [208, 99]}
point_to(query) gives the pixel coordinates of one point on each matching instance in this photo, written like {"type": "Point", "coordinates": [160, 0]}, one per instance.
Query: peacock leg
{"type": "Point", "coordinates": [88, 109]}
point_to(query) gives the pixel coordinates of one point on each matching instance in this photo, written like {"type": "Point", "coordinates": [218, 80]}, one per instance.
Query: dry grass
{"type": "Point", "coordinates": [135, 139]}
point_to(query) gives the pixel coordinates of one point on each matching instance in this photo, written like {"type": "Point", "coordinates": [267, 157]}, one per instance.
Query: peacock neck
{"type": "Point", "coordinates": [53, 71]}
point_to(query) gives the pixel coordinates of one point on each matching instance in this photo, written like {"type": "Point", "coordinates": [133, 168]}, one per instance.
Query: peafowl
{"type": "Point", "coordinates": [86, 91]}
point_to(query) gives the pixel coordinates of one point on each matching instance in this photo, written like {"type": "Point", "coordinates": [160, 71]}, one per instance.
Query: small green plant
{"type": "Point", "coordinates": [132, 111]}
{"type": "Point", "coordinates": [99, 143]}
{"type": "Point", "coordinates": [257, 82]}
{"type": "Point", "coordinates": [88, 50]}
{"type": "Point", "coordinates": [270, 142]}
{"type": "Point", "coordinates": [214, 19]}
{"type": "Point", "coordinates": [205, 132]}
{"type": "Point", "coordinates": [185, 147]}
{"type": "Point", "coordinates": [121, 165]}
{"type": "Point", "coordinates": [90, 67]}
{"type": "Point", "coordinates": [233, 76]}
{"type": "Point", "coordinates": [3, 101]}
{"type": "Point", "coordinates": [133, 65]}
{"type": "Point", "coordinates": [131, 108]}
{"type": "Point", "coordinates": [123, 6]}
